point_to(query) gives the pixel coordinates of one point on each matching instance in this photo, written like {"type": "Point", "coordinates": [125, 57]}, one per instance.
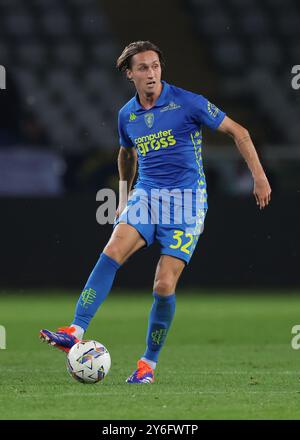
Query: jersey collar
{"type": "Point", "coordinates": [162, 99]}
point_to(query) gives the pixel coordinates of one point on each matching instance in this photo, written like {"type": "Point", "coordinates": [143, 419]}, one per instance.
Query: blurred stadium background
{"type": "Point", "coordinates": [59, 141]}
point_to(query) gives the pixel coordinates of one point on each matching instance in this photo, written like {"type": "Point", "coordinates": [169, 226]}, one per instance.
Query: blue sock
{"type": "Point", "coordinates": [96, 290]}
{"type": "Point", "coordinates": [160, 319]}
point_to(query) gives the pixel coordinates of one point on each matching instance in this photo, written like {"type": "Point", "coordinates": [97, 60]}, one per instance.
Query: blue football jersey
{"type": "Point", "coordinates": [168, 138]}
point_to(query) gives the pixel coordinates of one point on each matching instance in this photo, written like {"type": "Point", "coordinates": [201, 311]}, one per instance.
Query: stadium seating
{"type": "Point", "coordinates": [62, 55]}
{"type": "Point", "coordinates": [254, 44]}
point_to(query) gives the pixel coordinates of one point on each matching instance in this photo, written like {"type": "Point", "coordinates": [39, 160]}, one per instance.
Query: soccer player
{"type": "Point", "coordinates": [160, 128]}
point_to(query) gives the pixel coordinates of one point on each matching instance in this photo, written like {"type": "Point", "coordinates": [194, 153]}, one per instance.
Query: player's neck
{"type": "Point", "coordinates": [148, 100]}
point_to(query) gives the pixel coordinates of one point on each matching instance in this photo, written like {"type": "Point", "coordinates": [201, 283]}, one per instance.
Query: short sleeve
{"type": "Point", "coordinates": [124, 139]}
{"type": "Point", "coordinates": [206, 113]}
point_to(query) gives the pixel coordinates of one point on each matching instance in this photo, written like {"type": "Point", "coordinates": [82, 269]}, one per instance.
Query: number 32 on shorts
{"type": "Point", "coordinates": [179, 236]}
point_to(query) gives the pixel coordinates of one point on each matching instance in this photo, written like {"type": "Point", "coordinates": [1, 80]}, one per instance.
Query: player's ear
{"type": "Point", "coordinates": [129, 74]}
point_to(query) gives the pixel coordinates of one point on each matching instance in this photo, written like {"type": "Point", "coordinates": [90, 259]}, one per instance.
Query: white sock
{"type": "Point", "coordinates": [151, 363]}
{"type": "Point", "coordinates": [79, 331]}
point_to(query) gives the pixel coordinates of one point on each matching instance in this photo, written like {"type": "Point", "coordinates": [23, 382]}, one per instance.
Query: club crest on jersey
{"type": "Point", "coordinates": [149, 119]}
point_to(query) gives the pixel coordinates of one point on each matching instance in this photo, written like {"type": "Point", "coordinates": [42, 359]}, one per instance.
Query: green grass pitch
{"type": "Point", "coordinates": [226, 357]}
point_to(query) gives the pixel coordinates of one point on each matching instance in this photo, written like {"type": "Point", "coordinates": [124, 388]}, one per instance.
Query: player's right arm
{"type": "Point", "coordinates": [127, 162]}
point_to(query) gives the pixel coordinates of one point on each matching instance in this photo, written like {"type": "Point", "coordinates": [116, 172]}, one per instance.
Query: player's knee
{"type": "Point", "coordinates": [114, 251]}
{"type": "Point", "coordinates": [164, 285]}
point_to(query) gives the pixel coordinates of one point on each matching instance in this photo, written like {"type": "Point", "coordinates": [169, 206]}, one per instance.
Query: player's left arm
{"type": "Point", "coordinates": [242, 139]}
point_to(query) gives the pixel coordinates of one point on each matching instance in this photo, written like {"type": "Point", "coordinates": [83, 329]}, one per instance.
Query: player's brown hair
{"type": "Point", "coordinates": [124, 60]}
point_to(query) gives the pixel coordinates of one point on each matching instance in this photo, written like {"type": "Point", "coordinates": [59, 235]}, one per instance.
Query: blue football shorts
{"type": "Point", "coordinates": [176, 222]}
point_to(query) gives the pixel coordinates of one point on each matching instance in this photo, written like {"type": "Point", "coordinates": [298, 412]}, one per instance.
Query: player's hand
{"type": "Point", "coordinates": [118, 212]}
{"type": "Point", "coordinates": [116, 215]}
{"type": "Point", "coordinates": [262, 191]}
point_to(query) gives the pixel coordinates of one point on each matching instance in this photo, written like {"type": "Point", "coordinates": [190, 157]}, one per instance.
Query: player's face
{"type": "Point", "coordinates": [145, 72]}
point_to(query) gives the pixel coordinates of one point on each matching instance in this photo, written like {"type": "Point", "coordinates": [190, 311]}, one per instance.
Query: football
{"type": "Point", "coordinates": [88, 361]}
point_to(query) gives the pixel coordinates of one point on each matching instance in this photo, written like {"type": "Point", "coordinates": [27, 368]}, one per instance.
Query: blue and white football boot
{"type": "Point", "coordinates": [143, 374]}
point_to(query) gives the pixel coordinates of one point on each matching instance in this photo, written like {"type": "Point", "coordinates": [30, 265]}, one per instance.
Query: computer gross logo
{"type": "Point", "coordinates": [154, 141]}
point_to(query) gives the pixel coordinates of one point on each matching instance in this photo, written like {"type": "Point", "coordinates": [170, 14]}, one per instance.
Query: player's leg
{"type": "Point", "coordinates": [125, 240]}
{"type": "Point", "coordinates": [167, 274]}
